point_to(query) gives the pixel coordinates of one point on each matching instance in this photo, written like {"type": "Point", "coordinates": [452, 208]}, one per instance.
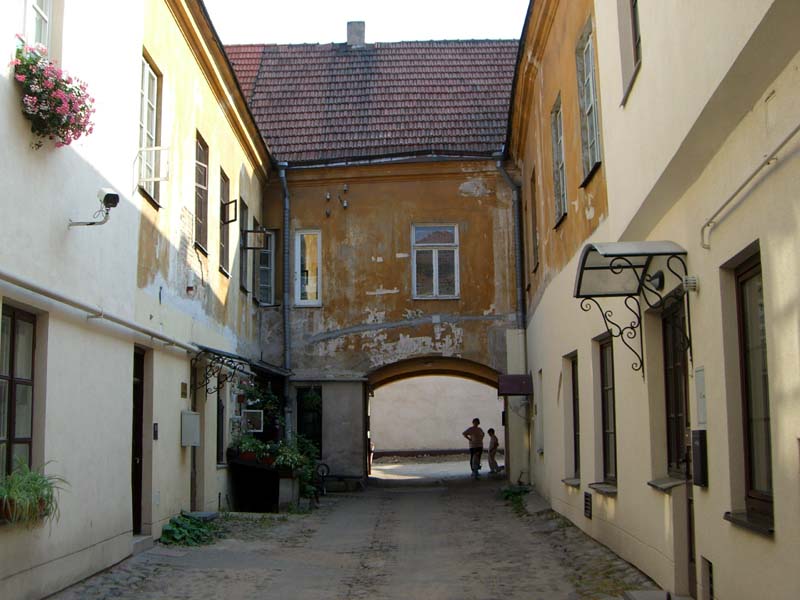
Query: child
{"type": "Point", "coordinates": [493, 444]}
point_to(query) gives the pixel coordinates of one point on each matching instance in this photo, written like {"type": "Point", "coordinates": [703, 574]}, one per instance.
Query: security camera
{"type": "Point", "coordinates": [108, 197]}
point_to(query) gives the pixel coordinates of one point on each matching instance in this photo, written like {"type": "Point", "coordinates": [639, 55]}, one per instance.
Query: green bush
{"type": "Point", "coordinates": [189, 531]}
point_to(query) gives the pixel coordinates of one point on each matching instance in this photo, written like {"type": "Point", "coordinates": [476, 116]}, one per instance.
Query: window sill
{"type": "Point", "coordinates": [225, 272]}
{"type": "Point", "coordinates": [757, 524]}
{"type": "Point", "coordinates": [222, 466]}
{"type": "Point", "coordinates": [560, 220]}
{"type": "Point", "coordinates": [314, 305]}
{"type": "Point", "coordinates": [631, 81]}
{"type": "Point", "coordinates": [268, 305]}
{"type": "Point", "coordinates": [590, 175]}
{"type": "Point", "coordinates": [666, 484]}
{"type": "Point", "coordinates": [153, 202]}
{"type": "Point", "coordinates": [436, 297]}
{"type": "Point", "coordinates": [574, 482]}
{"type": "Point", "coordinates": [604, 489]}
{"type": "Point", "coordinates": [201, 248]}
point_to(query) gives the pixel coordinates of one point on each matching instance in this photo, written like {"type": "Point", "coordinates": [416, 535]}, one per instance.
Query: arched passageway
{"type": "Point", "coordinates": [418, 408]}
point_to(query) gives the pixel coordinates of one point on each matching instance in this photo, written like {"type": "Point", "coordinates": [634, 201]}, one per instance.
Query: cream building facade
{"type": "Point", "coordinates": [97, 315]}
{"type": "Point", "coordinates": [685, 465]}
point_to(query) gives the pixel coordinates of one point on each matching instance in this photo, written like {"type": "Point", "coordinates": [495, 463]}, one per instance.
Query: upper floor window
{"type": "Point", "coordinates": [587, 98]}
{"type": "Point", "coordinates": [755, 389]}
{"type": "Point", "coordinates": [38, 21]}
{"type": "Point", "coordinates": [149, 131]}
{"type": "Point", "coordinates": [244, 217]}
{"type": "Point", "coordinates": [533, 224]}
{"type": "Point", "coordinates": [265, 269]}
{"type": "Point", "coordinates": [16, 387]}
{"type": "Point", "coordinates": [435, 257]}
{"type": "Point", "coordinates": [630, 43]}
{"type": "Point", "coordinates": [307, 267]}
{"type": "Point", "coordinates": [224, 201]}
{"type": "Point", "coordinates": [201, 194]}
{"type": "Point", "coordinates": [559, 167]}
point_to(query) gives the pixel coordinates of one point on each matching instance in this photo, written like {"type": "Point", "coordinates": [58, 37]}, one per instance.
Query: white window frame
{"type": "Point", "coordinates": [270, 249]}
{"type": "Point", "coordinates": [149, 150]}
{"type": "Point", "coordinates": [589, 105]}
{"type": "Point", "coordinates": [35, 14]}
{"type": "Point", "coordinates": [298, 234]}
{"type": "Point", "coordinates": [435, 248]}
{"type": "Point", "coordinates": [559, 166]}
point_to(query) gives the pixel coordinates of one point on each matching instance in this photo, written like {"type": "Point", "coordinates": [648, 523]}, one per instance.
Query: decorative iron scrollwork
{"type": "Point", "coordinates": [218, 368]}
{"type": "Point", "coordinates": [652, 285]}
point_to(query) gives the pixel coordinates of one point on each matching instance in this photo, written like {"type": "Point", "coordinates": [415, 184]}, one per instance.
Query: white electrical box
{"type": "Point", "coordinates": [190, 428]}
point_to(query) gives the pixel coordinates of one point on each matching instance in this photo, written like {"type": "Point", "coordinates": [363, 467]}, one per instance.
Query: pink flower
{"type": "Point", "coordinates": [19, 77]}
{"type": "Point", "coordinates": [15, 62]}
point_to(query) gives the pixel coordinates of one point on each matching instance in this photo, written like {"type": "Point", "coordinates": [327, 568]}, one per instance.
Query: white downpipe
{"type": "Point", "coordinates": [94, 312]}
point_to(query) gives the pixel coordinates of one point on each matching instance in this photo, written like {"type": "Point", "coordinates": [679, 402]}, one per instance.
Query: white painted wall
{"type": "Point", "coordinates": [429, 413]}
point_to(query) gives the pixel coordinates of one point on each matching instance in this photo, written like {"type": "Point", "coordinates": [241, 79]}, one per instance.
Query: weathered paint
{"type": "Point", "coordinates": [549, 69]}
{"type": "Point", "coordinates": [369, 317]}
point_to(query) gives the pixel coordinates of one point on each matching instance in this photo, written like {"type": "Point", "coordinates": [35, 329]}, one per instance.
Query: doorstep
{"type": "Point", "coordinates": [140, 543]}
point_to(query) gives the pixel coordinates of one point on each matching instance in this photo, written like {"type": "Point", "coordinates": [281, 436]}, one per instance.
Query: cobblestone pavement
{"type": "Point", "coordinates": [453, 540]}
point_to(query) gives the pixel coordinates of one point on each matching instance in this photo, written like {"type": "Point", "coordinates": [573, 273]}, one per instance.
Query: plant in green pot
{"type": "Point", "coordinates": [29, 496]}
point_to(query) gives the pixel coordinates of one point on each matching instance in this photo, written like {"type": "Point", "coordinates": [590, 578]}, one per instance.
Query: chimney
{"type": "Point", "coordinates": [355, 34]}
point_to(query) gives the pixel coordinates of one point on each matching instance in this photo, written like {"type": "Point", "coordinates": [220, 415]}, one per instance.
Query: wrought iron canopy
{"type": "Point", "coordinates": [222, 366]}
{"type": "Point", "coordinates": [623, 270]}
{"type": "Point", "coordinates": [614, 269]}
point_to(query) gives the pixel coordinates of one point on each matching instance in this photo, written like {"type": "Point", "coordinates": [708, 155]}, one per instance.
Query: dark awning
{"type": "Point", "coordinates": [241, 361]}
{"type": "Point", "coordinates": [613, 269]}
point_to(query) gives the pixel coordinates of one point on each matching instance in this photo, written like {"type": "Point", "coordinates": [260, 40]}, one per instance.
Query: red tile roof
{"type": "Point", "coordinates": [318, 103]}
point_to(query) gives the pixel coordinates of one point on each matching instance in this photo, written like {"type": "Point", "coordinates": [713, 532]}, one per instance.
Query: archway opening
{"type": "Point", "coordinates": [417, 411]}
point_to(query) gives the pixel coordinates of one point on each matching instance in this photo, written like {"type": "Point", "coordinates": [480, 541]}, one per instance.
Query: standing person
{"type": "Point", "coordinates": [475, 436]}
{"type": "Point", "coordinates": [493, 444]}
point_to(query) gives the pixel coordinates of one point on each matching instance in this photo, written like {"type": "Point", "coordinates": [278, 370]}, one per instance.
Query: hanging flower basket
{"type": "Point", "coordinates": [57, 105]}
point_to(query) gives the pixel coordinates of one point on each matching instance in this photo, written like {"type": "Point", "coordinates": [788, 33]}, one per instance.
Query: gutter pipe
{"type": "Point", "coordinates": [94, 312]}
{"type": "Point", "coordinates": [287, 338]}
{"type": "Point", "coordinates": [705, 230]}
{"type": "Point", "coordinates": [518, 268]}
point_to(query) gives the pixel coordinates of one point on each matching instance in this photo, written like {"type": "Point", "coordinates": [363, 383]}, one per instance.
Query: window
{"type": "Point", "coordinates": [559, 169]}
{"type": "Point", "coordinates": [201, 195]}
{"type": "Point", "coordinates": [587, 98]}
{"type": "Point", "coordinates": [608, 411]}
{"type": "Point", "coordinates": [148, 131]}
{"type": "Point", "coordinates": [38, 21]}
{"type": "Point", "coordinates": [244, 218]}
{"type": "Point", "coordinates": [534, 226]}
{"type": "Point", "coordinates": [224, 200]}
{"type": "Point", "coordinates": [16, 387]}
{"type": "Point", "coordinates": [576, 420]}
{"type": "Point", "coordinates": [307, 261]}
{"type": "Point", "coordinates": [630, 43]}
{"type": "Point", "coordinates": [435, 268]}
{"type": "Point", "coordinates": [755, 389]}
{"type": "Point", "coordinates": [220, 427]}
{"type": "Point", "coordinates": [265, 269]}
{"type": "Point", "coordinates": [675, 389]}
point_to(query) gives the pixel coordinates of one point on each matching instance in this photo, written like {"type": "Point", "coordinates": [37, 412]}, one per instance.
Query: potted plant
{"type": "Point", "coordinates": [29, 495]}
{"type": "Point", "coordinates": [57, 105]}
{"type": "Point", "coordinates": [251, 449]}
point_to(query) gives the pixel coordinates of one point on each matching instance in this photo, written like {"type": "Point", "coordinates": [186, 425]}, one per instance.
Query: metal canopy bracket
{"type": "Point", "coordinates": [220, 366]}
{"type": "Point", "coordinates": [633, 271]}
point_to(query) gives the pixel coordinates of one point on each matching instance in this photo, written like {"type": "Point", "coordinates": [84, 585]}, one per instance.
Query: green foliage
{"type": "Point", "coordinates": [29, 495]}
{"type": "Point", "coordinates": [260, 397]}
{"type": "Point", "coordinates": [300, 455]}
{"type": "Point", "coordinates": [311, 400]}
{"type": "Point", "coordinates": [188, 531]}
{"type": "Point", "coordinates": [248, 443]}
{"type": "Point", "coordinates": [515, 495]}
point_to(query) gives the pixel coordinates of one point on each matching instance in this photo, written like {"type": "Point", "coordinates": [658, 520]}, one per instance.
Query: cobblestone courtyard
{"type": "Point", "coordinates": [450, 539]}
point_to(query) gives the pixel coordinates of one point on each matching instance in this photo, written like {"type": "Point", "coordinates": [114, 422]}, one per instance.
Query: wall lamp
{"type": "Point", "coordinates": [108, 198]}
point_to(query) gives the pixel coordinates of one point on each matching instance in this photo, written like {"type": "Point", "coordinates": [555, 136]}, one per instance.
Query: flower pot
{"type": "Point", "coordinates": [247, 456]}
{"type": "Point", "coordinates": [267, 460]}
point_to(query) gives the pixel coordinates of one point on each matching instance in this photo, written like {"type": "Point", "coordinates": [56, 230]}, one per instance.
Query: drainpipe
{"type": "Point", "coordinates": [287, 337]}
{"type": "Point", "coordinates": [518, 268]}
{"type": "Point", "coordinates": [521, 309]}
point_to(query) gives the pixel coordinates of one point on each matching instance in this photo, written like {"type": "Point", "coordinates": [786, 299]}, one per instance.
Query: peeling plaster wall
{"type": "Point", "coordinates": [368, 316]}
